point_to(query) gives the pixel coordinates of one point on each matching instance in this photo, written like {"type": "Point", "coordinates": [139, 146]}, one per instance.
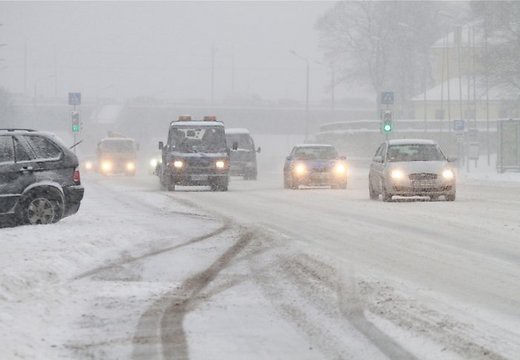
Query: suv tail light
{"type": "Point", "coordinates": [76, 177]}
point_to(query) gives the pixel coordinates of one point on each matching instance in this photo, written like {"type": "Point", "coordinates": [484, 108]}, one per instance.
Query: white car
{"type": "Point", "coordinates": [410, 167]}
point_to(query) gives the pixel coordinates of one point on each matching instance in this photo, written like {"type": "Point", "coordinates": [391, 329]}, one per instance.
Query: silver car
{"type": "Point", "coordinates": [411, 168]}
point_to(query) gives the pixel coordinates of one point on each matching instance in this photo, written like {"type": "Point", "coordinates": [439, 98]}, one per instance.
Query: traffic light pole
{"type": "Point", "coordinates": [73, 132]}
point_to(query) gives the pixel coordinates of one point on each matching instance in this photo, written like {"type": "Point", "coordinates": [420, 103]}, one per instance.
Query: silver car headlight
{"type": "Point", "coordinates": [448, 174]}
{"type": "Point", "coordinates": [397, 174]}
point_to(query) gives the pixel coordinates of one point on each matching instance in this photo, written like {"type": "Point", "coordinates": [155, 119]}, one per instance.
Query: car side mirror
{"type": "Point", "coordinates": [161, 145]}
{"type": "Point", "coordinates": [377, 159]}
{"type": "Point", "coordinates": [289, 158]}
{"type": "Point", "coordinates": [235, 145]}
{"type": "Point", "coordinates": [451, 159]}
{"type": "Point", "coordinates": [259, 150]}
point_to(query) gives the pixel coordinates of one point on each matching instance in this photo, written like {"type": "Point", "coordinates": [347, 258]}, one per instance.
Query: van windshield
{"type": "Point", "coordinates": [202, 139]}
{"type": "Point", "coordinates": [244, 141]}
{"type": "Point", "coordinates": [117, 146]}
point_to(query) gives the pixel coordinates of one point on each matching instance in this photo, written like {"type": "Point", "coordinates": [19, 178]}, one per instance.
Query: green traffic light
{"type": "Point", "coordinates": [75, 128]}
{"type": "Point", "coordinates": [387, 127]}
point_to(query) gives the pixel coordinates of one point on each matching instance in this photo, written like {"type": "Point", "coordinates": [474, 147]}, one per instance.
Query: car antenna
{"type": "Point", "coordinates": [76, 144]}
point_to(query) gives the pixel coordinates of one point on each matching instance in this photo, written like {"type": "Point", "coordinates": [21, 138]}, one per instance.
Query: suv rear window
{"type": "Point", "coordinates": [43, 148]}
{"type": "Point", "coordinates": [6, 149]}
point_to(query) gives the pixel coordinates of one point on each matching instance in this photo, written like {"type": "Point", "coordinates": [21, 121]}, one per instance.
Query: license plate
{"type": "Point", "coordinates": [199, 177]}
{"type": "Point", "coordinates": [423, 184]}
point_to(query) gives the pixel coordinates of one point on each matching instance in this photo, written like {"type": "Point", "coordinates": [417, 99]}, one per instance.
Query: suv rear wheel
{"type": "Point", "coordinates": [40, 208]}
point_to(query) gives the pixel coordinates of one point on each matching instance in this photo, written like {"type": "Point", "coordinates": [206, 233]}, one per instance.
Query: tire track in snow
{"type": "Point", "coordinates": [124, 260]}
{"type": "Point", "coordinates": [166, 316]}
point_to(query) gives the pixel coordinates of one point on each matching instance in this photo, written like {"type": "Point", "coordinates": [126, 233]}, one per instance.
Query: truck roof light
{"type": "Point", "coordinates": [210, 118]}
{"type": "Point", "coordinates": [184, 118]}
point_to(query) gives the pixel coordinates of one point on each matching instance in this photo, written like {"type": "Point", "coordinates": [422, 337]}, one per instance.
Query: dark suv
{"type": "Point", "coordinates": [39, 178]}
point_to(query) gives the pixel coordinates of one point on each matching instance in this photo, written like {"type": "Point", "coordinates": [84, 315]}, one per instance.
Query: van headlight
{"type": "Point", "coordinates": [130, 166]}
{"type": "Point", "coordinates": [397, 174]}
{"type": "Point", "coordinates": [220, 164]}
{"type": "Point", "coordinates": [178, 164]}
{"type": "Point", "coordinates": [448, 174]}
{"type": "Point", "coordinates": [106, 166]}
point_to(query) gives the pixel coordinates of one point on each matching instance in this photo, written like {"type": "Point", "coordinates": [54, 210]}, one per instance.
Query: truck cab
{"type": "Point", "coordinates": [117, 155]}
{"type": "Point", "coordinates": [243, 158]}
{"type": "Point", "coordinates": [195, 154]}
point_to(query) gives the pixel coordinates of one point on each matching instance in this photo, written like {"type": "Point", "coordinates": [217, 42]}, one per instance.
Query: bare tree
{"type": "Point", "coordinates": [500, 21]}
{"type": "Point", "coordinates": [385, 44]}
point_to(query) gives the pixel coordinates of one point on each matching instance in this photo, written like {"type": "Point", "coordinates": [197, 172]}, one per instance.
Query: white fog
{"type": "Point", "coordinates": [259, 180]}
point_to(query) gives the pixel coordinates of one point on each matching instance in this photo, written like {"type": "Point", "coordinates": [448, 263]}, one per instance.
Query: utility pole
{"type": "Point", "coordinates": [25, 67]}
{"type": "Point", "coordinates": [307, 102]}
{"type": "Point", "coordinates": [213, 51]}
{"type": "Point", "coordinates": [332, 87]}
{"type": "Point", "coordinates": [233, 71]}
{"type": "Point", "coordinates": [307, 87]}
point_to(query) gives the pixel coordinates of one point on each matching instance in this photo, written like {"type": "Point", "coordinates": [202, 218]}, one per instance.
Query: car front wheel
{"type": "Point", "coordinates": [385, 194]}
{"type": "Point", "coordinates": [450, 197]}
{"type": "Point", "coordinates": [371, 192]}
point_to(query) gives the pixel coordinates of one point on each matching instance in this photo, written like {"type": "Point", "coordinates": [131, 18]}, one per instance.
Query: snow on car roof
{"type": "Point", "coordinates": [196, 123]}
{"type": "Point", "coordinates": [117, 139]}
{"type": "Point", "coordinates": [410, 141]}
{"type": "Point", "coordinates": [314, 145]}
{"type": "Point", "coordinates": [236, 131]}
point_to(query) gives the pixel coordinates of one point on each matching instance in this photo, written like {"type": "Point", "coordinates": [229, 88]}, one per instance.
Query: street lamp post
{"type": "Point", "coordinates": [36, 85]}
{"type": "Point", "coordinates": [307, 86]}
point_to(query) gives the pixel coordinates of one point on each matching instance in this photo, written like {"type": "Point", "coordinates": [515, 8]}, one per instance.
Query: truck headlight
{"type": "Point", "coordinates": [300, 169]}
{"type": "Point", "coordinates": [397, 175]}
{"type": "Point", "coordinates": [130, 166]}
{"type": "Point", "coordinates": [154, 162]}
{"type": "Point", "coordinates": [220, 164]}
{"type": "Point", "coordinates": [106, 166]}
{"type": "Point", "coordinates": [448, 174]}
{"type": "Point", "coordinates": [178, 164]}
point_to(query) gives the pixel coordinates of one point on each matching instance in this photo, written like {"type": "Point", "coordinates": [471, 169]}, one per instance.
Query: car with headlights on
{"type": "Point", "coordinates": [315, 165]}
{"type": "Point", "coordinates": [117, 155]}
{"type": "Point", "coordinates": [408, 167]}
{"type": "Point", "coordinates": [195, 154]}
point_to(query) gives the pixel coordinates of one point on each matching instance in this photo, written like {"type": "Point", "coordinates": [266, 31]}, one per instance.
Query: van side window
{"type": "Point", "coordinates": [6, 149]}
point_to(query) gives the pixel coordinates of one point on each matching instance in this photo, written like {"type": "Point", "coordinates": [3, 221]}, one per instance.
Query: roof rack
{"type": "Point", "coordinates": [15, 129]}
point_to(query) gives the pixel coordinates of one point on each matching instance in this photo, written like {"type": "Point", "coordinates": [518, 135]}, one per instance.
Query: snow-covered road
{"type": "Point", "coordinates": [260, 272]}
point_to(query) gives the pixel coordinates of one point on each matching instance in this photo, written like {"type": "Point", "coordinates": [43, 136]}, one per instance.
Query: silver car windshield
{"type": "Point", "coordinates": [315, 153]}
{"type": "Point", "coordinates": [414, 152]}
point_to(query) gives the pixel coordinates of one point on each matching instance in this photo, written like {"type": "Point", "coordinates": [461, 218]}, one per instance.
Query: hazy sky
{"type": "Point", "coordinates": [162, 49]}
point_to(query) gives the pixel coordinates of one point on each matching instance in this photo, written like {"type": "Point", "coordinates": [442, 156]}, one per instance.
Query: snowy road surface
{"type": "Point", "coordinates": [261, 272]}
